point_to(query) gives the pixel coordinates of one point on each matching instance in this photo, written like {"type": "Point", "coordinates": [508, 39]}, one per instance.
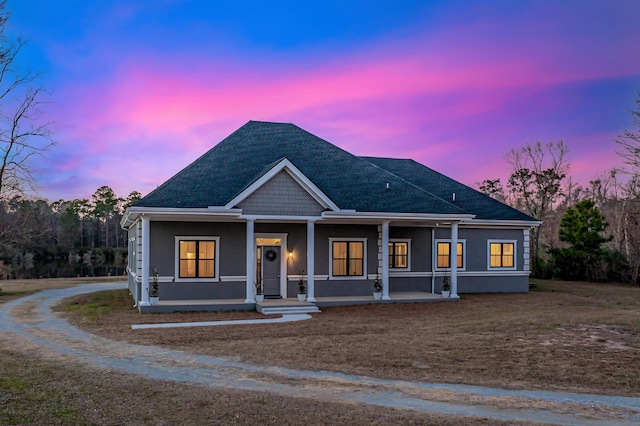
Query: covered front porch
{"type": "Point", "coordinates": [166, 306]}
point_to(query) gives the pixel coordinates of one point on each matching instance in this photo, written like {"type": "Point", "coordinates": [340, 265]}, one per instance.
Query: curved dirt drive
{"type": "Point", "coordinates": [29, 324]}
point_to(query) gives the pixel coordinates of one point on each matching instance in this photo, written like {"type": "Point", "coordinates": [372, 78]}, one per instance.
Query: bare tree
{"type": "Point", "coordinates": [536, 184]}
{"type": "Point", "coordinates": [22, 134]}
{"type": "Point", "coordinates": [493, 188]}
{"type": "Point", "coordinates": [629, 140]}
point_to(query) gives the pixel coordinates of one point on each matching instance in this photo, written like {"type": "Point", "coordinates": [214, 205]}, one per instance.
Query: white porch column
{"type": "Point", "coordinates": [385, 261]}
{"type": "Point", "coordinates": [454, 260]}
{"type": "Point", "coordinates": [146, 229]}
{"type": "Point", "coordinates": [251, 262]}
{"type": "Point", "coordinates": [310, 261]}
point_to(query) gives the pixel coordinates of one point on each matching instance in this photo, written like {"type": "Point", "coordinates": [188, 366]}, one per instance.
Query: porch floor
{"type": "Point", "coordinates": [240, 305]}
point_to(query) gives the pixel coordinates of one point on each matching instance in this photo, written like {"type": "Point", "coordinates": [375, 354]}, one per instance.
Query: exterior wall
{"type": "Point", "coordinates": [477, 278]}
{"type": "Point", "coordinates": [326, 286]}
{"type": "Point", "coordinates": [476, 245]}
{"type": "Point", "coordinates": [493, 284]}
{"type": "Point", "coordinates": [231, 284]}
{"type": "Point", "coordinates": [418, 277]}
{"type": "Point", "coordinates": [281, 195]}
{"type": "Point", "coordinates": [232, 266]}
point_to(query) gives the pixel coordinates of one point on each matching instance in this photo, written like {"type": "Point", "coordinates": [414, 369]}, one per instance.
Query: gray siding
{"type": "Point", "coordinates": [231, 252]}
{"type": "Point", "coordinates": [281, 195]}
{"type": "Point", "coordinates": [420, 246]}
{"type": "Point", "coordinates": [476, 244]}
{"type": "Point", "coordinates": [401, 284]}
{"type": "Point", "coordinates": [232, 255]}
{"type": "Point", "coordinates": [495, 284]}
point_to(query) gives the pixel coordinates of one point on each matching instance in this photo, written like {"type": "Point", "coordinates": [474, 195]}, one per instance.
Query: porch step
{"type": "Point", "coordinates": [287, 310]}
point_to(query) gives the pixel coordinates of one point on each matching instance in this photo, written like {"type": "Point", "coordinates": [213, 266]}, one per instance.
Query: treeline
{"type": "Point", "coordinates": [589, 232]}
{"type": "Point", "coordinates": [63, 238]}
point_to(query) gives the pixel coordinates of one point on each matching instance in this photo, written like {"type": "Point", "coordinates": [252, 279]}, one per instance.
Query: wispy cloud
{"type": "Point", "coordinates": [455, 98]}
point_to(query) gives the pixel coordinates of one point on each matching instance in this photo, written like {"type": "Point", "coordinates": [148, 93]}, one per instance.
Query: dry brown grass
{"type": "Point", "coordinates": [34, 391]}
{"type": "Point", "coordinates": [563, 336]}
{"type": "Point", "coordinates": [47, 283]}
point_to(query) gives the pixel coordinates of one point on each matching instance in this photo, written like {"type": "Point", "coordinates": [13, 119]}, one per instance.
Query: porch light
{"type": "Point", "coordinates": [290, 255]}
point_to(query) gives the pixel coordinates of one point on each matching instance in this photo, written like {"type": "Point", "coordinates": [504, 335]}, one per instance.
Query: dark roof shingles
{"type": "Point", "coordinates": [349, 181]}
{"type": "Point", "coordinates": [467, 198]}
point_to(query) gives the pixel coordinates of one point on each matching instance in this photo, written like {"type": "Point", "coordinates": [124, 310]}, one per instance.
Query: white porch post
{"type": "Point", "coordinates": [251, 262]}
{"type": "Point", "coordinates": [454, 259]}
{"type": "Point", "coordinates": [385, 261]}
{"type": "Point", "coordinates": [310, 262]}
{"type": "Point", "coordinates": [146, 228]}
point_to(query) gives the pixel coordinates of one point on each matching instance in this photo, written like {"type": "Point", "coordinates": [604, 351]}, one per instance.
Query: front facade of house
{"type": "Point", "coordinates": [274, 204]}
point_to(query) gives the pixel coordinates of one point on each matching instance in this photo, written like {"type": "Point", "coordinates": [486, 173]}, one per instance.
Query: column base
{"type": "Point", "coordinates": [386, 298]}
{"type": "Point", "coordinates": [249, 301]}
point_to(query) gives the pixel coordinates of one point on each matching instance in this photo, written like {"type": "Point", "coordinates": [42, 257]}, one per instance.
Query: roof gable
{"type": "Point", "coordinates": [292, 185]}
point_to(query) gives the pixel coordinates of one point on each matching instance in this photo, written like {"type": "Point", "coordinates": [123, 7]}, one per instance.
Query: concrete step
{"type": "Point", "coordinates": [287, 310]}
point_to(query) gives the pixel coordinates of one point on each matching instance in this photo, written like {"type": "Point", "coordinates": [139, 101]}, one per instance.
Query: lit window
{"type": "Point", "coordinates": [501, 254]}
{"type": "Point", "coordinates": [197, 258]}
{"type": "Point", "coordinates": [347, 258]}
{"type": "Point", "coordinates": [443, 250]}
{"type": "Point", "coordinates": [399, 254]}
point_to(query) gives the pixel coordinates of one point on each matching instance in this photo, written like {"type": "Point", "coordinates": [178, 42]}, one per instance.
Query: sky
{"type": "Point", "coordinates": [140, 89]}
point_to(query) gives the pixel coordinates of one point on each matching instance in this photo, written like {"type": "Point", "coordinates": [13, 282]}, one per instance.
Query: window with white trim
{"type": "Point", "coordinates": [399, 254]}
{"type": "Point", "coordinates": [348, 257]}
{"type": "Point", "coordinates": [197, 258]}
{"type": "Point", "coordinates": [501, 254]}
{"type": "Point", "coordinates": [443, 254]}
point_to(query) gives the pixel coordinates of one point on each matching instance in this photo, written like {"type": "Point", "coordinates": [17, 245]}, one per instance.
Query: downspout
{"type": "Point", "coordinates": [433, 260]}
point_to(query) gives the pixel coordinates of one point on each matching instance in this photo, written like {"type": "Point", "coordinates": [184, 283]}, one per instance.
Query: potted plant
{"type": "Point", "coordinates": [302, 289]}
{"type": "Point", "coordinates": [377, 289]}
{"type": "Point", "coordinates": [258, 283]}
{"type": "Point", "coordinates": [154, 293]}
{"type": "Point", "coordinates": [446, 287]}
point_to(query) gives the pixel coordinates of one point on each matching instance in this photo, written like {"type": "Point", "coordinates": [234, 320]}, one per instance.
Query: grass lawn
{"type": "Point", "coordinates": [561, 336]}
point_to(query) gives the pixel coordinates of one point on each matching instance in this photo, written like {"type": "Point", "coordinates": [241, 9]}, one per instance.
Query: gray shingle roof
{"type": "Point", "coordinates": [469, 199]}
{"type": "Point", "coordinates": [349, 181]}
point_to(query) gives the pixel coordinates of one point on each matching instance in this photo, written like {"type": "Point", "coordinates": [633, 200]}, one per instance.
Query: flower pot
{"type": "Point", "coordinates": [446, 293]}
{"type": "Point", "coordinates": [259, 298]}
{"type": "Point", "coordinates": [377, 295]}
{"type": "Point", "coordinates": [154, 300]}
{"type": "Point", "coordinates": [301, 297]}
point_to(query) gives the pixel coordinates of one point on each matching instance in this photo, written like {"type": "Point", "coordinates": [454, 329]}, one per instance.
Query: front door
{"type": "Point", "coordinates": [271, 271]}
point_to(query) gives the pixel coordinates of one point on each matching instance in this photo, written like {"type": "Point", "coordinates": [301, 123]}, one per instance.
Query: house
{"type": "Point", "coordinates": [274, 203]}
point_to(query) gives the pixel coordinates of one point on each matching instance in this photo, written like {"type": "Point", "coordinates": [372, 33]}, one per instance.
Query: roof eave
{"type": "Point", "coordinates": [132, 214]}
{"type": "Point", "coordinates": [397, 216]}
{"type": "Point", "coordinates": [503, 222]}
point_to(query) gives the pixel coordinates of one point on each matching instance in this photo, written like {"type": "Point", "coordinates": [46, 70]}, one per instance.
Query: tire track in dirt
{"type": "Point", "coordinates": [29, 325]}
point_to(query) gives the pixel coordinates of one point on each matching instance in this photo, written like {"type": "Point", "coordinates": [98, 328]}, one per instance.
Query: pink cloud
{"type": "Point", "coordinates": [406, 97]}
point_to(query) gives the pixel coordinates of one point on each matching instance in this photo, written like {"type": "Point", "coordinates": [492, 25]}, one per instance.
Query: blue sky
{"type": "Point", "coordinates": [139, 89]}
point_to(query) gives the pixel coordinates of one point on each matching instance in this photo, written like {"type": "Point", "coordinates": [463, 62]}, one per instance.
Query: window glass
{"type": "Point", "coordinates": [197, 259]}
{"type": "Point", "coordinates": [348, 258]}
{"type": "Point", "coordinates": [444, 255]}
{"type": "Point", "coordinates": [398, 254]}
{"type": "Point", "coordinates": [501, 255]}
{"type": "Point", "coordinates": [339, 258]}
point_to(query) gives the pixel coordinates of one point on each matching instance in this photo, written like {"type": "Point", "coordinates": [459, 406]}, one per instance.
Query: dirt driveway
{"type": "Point", "coordinates": [27, 324]}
